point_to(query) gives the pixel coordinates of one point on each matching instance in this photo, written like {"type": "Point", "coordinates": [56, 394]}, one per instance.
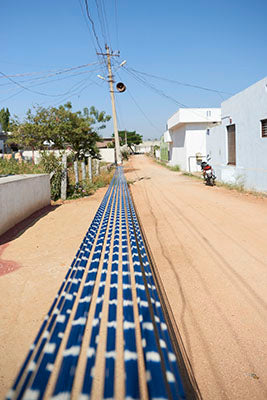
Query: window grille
{"type": "Point", "coordinates": [231, 144]}
{"type": "Point", "coordinates": [264, 127]}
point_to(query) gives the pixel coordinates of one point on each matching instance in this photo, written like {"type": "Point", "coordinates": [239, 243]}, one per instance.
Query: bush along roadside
{"type": "Point", "coordinates": [87, 188]}
{"type": "Point", "coordinates": [52, 165]}
{"type": "Point", "coordinates": [175, 168]}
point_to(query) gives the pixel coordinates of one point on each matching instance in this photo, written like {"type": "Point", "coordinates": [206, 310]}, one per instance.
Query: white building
{"type": "Point", "coordinates": [186, 136]}
{"type": "Point", "coordinates": [146, 146]}
{"type": "Point", "coordinates": [238, 146]}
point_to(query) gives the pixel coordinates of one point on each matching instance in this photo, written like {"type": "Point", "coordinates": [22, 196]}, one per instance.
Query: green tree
{"type": "Point", "coordinates": [60, 128]}
{"type": "Point", "coordinates": [30, 133]}
{"type": "Point", "coordinates": [77, 130]}
{"type": "Point", "coordinates": [132, 138]}
{"type": "Point", "coordinates": [4, 118]}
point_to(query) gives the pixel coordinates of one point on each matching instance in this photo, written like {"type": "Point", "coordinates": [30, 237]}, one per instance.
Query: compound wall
{"type": "Point", "coordinates": [20, 196]}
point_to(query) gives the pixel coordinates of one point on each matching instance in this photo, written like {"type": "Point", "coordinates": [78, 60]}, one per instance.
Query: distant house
{"type": "Point", "coordinates": [106, 150]}
{"type": "Point", "coordinates": [146, 146]}
{"type": "Point", "coordinates": [238, 146]}
{"type": "Point", "coordinates": [164, 147]}
{"type": "Point", "coordinates": [186, 135]}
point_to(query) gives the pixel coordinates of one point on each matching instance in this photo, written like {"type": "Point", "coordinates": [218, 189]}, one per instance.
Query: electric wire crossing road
{"type": "Point", "coordinates": [111, 268]}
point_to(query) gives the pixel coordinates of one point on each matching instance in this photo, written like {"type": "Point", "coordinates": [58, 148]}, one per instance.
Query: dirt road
{"type": "Point", "coordinates": [210, 249]}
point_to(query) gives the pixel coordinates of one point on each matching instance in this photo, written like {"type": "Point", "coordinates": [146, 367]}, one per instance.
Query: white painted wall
{"type": "Point", "coordinates": [194, 115]}
{"type": "Point", "coordinates": [195, 143]}
{"type": "Point", "coordinates": [187, 141]}
{"type": "Point", "coordinates": [177, 147]}
{"type": "Point", "coordinates": [146, 146]}
{"type": "Point", "coordinates": [107, 155]}
{"type": "Point", "coordinates": [186, 135]}
{"type": "Point", "coordinates": [246, 109]}
{"type": "Point", "coordinates": [20, 196]}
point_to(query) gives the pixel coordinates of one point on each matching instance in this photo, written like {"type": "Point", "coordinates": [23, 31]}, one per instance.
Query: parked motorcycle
{"type": "Point", "coordinates": [208, 174]}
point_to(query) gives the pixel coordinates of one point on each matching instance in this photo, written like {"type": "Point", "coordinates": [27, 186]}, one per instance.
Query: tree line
{"type": "Point", "coordinates": [59, 128]}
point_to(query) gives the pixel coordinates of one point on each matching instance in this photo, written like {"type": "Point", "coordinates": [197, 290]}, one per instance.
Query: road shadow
{"type": "Point", "coordinates": [17, 230]}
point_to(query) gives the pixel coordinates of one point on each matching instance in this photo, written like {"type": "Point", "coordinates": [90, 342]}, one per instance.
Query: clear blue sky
{"type": "Point", "coordinates": [216, 44]}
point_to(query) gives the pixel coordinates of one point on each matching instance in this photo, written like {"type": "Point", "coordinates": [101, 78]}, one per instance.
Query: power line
{"type": "Point", "coordinates": [180, 83]}
{"type": "Point", "coordinates": [141, 110]}
{"type": "Point", "coordinates": [36, 92]}
{"type": "Point", "coordinates": [116, 23]}
{"type": "Point", "coordinates": [101, 20]}
{"type": "Point", "coordinates": [102, 5]}
{"type": "Point", "coordinates": [93, 25]}
{"type": "Point", "coordinates": [48, 76]}
{"type": "Point", "coordinates": [156, 90]}
{"type": "Point", "coordinates": [162, 93]}
{"type": "Point", "coordinates": [144, 114]}
{"type": "Point", "coordinates": [51, 73]}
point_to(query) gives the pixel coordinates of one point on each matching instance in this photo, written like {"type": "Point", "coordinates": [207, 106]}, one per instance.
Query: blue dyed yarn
{"type": "Point", "coordinates": [115, 221]}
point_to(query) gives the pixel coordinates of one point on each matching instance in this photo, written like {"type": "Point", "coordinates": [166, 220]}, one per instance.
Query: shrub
{"type": "Point", "coordinates": [50, 163]}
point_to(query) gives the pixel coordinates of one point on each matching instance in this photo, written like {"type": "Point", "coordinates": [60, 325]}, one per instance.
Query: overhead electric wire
{"type": "Point", "coordinates": [179, 82]}
{"type": "Point", "coordinates": [92, 32]}
{"type": "Point", "coordinates": [93, 25]}
{"type": "Point", "coordinates": [144, 114]}
{"type": "Point", "coordinates": [28, 88]}
{"type": "Point", "coordinates": [152, 87]}
{"type": "Point", "coordinates": [141, 110]}
{"type": "Point", "coordinates": [49, 82]}
{"type": "Point", "coordinates": [101, 21]}
{"type": "Point", "coordinates": [116, 23]}
{"type": "Point", "coordinates": [34, 91]}
{"type": "Point", "coordinates": [50, 73]}
{"type": "Point", "coordinates": [102, 5]}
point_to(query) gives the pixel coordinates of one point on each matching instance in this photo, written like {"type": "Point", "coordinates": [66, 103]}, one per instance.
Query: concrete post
{"type": "Point", "coordinates": [64, 177]}
{"type": "Point", "coordinates": [83, 171]}
{"type": "Point", "coordinates": [76, 172]}
{"type": "Point", "coordinates": [90, 168]}
{"type": "Point", "coordinates": [97, 167]}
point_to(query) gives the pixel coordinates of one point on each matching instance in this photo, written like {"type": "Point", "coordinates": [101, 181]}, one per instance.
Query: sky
{"type": "Point", "coordinates": [48, 55]}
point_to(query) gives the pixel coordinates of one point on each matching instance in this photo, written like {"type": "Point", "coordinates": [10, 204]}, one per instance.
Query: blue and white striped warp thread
{"type": "Point", "coordinates": [51, 348]}
{"type": "Point", "coordinates": [86, 242]}
{"type": "Point", "coordinates": [73, 279]}
{"type": "Point", "coordinates": [154, 371]}
{"type": "Point", "coordinates": [167, 356]}
{"type": "Point", "coordinates": [162, 374]}
{"type": "Point", "coordinates": [156, 302]}
{"type": "Point", "coordinates": [130, 351]}
{"type": "Point", "coordinates": [167, 346]}
{"type": "Point", "coordinates": [71, 354]}
{"type": "Point", "coordinates": [110, 354]}
{"type": "Point", "coordinates": [91, 351]}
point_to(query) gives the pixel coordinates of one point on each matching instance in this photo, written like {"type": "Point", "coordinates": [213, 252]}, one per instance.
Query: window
{"type": "Point", "coordinates": [231, 144]}
{"type": "Point", "coordinates": [264, 127]}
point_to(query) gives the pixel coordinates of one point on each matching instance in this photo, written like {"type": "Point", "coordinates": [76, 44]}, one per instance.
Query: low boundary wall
{"type": "Point", "coordinates": [20, 196]}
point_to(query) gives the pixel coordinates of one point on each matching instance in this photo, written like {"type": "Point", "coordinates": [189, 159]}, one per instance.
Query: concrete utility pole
{"type": "Point", "coordinates": [115, 125]}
